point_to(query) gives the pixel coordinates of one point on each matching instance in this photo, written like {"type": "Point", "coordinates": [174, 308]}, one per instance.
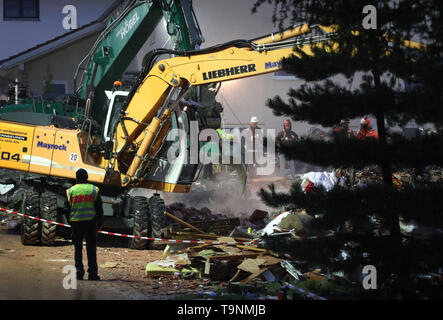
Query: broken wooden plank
{"type": "Point", "coordinates": [270, 260]}
{"type": "Point", "coordinates": [207, 266]}
{"type": "Point", "coordinates": [251, 248]}
{"type": "Point", "coordinates": [229, 249]}
{"type": "Point", "coordinates": [225, 239]}
{"type": "Point", "coordinates": [236, 257]}
{"type": "Point", "coordinates": [198, 247]}
{"type": "Point", "coordinates": [235, 275]}
{"type": "Point", "coordinates": [181, 221]}
{"type": "Point", "coordinates": [252, 276]}
{"type": "Point", "coordinates": [219, 226]}
{"type": "Point", "coordinates": [212, 236]}
{"type": "Point", "coordinates": [251, 265]}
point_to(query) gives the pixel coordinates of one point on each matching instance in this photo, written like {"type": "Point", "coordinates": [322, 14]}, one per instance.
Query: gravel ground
{"type": "Point", "coordinates": [36, 272]}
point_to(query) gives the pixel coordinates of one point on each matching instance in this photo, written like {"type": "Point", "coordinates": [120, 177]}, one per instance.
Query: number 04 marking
{"type": "Point", "coordinates": [7, 156]}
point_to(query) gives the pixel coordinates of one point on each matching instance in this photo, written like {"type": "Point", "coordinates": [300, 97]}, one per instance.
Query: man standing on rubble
{"type": "Point", "coordinates": [86, 216]}
{"type": "Point", "coordinates": [253, 141]}
{"type": "Point", "coordinates": [284, 137]}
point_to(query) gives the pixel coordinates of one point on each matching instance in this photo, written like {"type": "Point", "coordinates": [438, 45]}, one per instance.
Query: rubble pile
{"type": "Point", "coordinates": [191, 222]}
{"type": "Point", "coordinates": [367, 175]}
{"type": "Point", "coordinates": [190, 214]}
{"type": "Point", "coordinates": [430, 174]}
{"type": "Point", "coordinates": [370, 174]}
{"type": "Point", "coordinates": [250, 271]}
{"type": "Point", "coordinates": [234, 265]}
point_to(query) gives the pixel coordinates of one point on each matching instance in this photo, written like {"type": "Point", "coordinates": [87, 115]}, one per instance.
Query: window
{"type": "Point", "coordinates": [21, 9]}
{"type": "Point", "coordinates": [119, 102]}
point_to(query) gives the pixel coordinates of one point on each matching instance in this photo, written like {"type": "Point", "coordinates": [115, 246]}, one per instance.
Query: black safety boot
{"type": "Point", "coordinates": [94, 277]}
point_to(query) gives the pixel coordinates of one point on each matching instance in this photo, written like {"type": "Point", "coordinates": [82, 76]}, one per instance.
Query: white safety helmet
{"type": "Point", "coordinates": [254, 119]}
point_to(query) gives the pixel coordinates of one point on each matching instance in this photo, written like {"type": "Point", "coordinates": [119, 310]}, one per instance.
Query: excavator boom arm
{"type": "Point", "coordinates": [150, 102]}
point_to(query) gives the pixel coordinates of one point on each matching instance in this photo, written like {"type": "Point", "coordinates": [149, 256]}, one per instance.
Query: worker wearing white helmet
{"type": "Point", "coordinates": [253, 139]}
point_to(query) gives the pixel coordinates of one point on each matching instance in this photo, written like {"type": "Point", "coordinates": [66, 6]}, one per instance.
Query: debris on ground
{"type": "Point", "coordinates": [11, 196]}
{"type": "Point", "coordinates": [211, 271]}
{"type": "Point", "coordinates": [235, 265]}
{"type": "Point", "coordinates": [187, 221]}
{"type": "Point", "coordinates": [326, 179]}
{"type": "Point", "coordinates": [5, 188]}
{"type": "Point", "coordinates": [294, 224]}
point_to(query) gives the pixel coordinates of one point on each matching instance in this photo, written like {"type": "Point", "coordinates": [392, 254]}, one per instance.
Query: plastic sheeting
{"type": "Point", "coordinates": [5, 188]}
{"type": "Point", "coordinates": [326, 179]}
{"type": "Point", "coordinates": [274, 225]}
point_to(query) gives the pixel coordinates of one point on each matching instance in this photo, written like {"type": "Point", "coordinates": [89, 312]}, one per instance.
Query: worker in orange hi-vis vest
{"type": "Point", "coordinates": [366, 130]}
{"type": "Point", "coordinates": [86, 215]}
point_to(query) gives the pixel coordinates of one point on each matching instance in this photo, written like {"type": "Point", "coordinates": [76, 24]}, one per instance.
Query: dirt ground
{"type": "Point", "coordinates": [36, 272]}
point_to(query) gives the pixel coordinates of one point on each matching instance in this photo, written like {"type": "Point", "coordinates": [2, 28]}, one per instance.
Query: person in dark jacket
{"type": "Point", "coordinates": [86, 216]}
{"type": "Point", "coordinates": [343, 131]}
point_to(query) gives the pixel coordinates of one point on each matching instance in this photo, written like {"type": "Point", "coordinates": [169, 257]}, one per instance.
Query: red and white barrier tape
{"type": "Point", "coordinates": [132, 236]}
{"type": "Point", "coordinates": [159, 239]}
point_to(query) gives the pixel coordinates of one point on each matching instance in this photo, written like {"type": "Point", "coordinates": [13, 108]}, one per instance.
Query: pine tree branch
{"type": "Point", "coordinates": [354, 153]}
{"type": "Point", "coordinates": [328, 103]}
{"type": "Point", "coordinates": [358, 204]}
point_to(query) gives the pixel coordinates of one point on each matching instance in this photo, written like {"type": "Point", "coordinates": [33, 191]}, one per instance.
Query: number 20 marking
{"type": "Point", "coordinates": [73, 157]}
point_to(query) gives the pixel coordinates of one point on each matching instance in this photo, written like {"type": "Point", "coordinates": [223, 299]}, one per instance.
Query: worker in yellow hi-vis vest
{"type": "Point", "coordinates": [86, 216]}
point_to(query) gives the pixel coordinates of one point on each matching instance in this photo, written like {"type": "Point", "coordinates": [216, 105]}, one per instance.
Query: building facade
{"type": "Point", "coordinates": [44, 41]}
{"type": "Point", "coordinates": [27, 23]}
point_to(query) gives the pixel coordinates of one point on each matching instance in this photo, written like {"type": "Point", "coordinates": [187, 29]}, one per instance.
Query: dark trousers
{"type": "Point", "coordinates": [85, 230]}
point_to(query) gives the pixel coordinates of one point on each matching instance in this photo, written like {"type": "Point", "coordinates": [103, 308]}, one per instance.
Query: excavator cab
{"type": "Point", "coordinates": [171, 166]}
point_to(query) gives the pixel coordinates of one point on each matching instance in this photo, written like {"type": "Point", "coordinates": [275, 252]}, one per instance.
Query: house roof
{"type": "Point", "coordinates": [51, 44]}
{"type": "Point", "coordinates": [59, 41]}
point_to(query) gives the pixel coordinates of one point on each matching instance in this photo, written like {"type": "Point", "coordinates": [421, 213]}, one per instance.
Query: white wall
{"type": "Point", "coordinates": [17, 36]}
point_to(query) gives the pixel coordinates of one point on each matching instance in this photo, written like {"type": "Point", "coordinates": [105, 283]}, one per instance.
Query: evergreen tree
{"type": "Point", "coordinates": [48, 87]}
{"type": "Point", "coordinates": [384, 58]}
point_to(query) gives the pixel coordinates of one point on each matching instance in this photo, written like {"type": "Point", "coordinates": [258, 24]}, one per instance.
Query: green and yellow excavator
{"type": "Point", "coordinates": [97, 86]}
{"type": "Point", "coordinates": [126, 143]}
